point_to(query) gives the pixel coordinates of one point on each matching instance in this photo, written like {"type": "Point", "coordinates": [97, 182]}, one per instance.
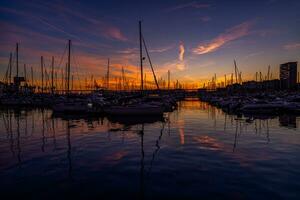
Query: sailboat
{"type": "Point", "coordinates": [68, 104]}
{"type": "Point", "coordinates": [138, 108]}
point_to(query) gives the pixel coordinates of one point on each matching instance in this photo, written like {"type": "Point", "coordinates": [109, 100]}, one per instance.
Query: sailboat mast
{"type": "Point", "coordinates": [10, 66]}
{"type": "Point", "coordinates": [25, 74]}
{"type": "Point", "coordinates": [141, 55]}
{"type": "Point", "coordinates": [31, 76]}
{"type": "Point", "coordinates": [42, 70]}
{"type": "Point", "coordinates": [62, 79]}
{"type": "Point", "coordinates": [72, 82]}
{"type": "Point", "coordinates": [69, 63]}
{"type": "Point", "coordinates": [260, 76]}
{"type": "Point", "coordinates": [235, 69]}
{"type": "Point", "coordinates": [52, 74]}
{"type": "Point", "coordinates": [107, 74]}
{"type": "Point", "coordinates": [123, 78]}
{"type": "Point", "coordinates": [269, 72]}
{"type": "Point", "coordinates": [168, 79]}
{"type": "Point", "coordinates": [17, 51]}
{"type": "Point", "coordinates": [56, 85]}
{"type": "Point", "coordinates": [66, 78]}
{"type": "Point", "coordinates": [150, 63]}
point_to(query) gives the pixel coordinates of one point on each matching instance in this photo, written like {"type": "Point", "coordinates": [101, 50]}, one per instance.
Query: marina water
{"type": "Point", "coordinates": [197, 152]}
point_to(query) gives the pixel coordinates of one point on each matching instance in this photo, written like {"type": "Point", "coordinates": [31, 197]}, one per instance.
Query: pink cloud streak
{"type": "Point", "coordinates": [231, 34]}
{"type": "Point", "coordinates": [193, 4]}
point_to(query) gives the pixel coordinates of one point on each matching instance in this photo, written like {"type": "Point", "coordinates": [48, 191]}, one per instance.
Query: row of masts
{"type": "Point", "coordinates": [49, 83]}
{"type": "Point", "coordinates": [121, 83]}
{"type": "Point", "coordinates": [49, 80]}
{"type": "Point", "coordinates": [67, 77]}
{"type": "Point", "coordinates": [236, 78]}
{"type": "Point", "coordinates": [44, 75]}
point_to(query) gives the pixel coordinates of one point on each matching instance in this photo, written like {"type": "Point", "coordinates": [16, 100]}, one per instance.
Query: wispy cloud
{"type": "Point", "coordinates": [161, 49]}
{"type": "Point", "coordinates": [114, 33]}
{"type": "Point", "coordinates": [154, 50]}
{"type": "Point", "coordinates": [177, 64]}
{"type": "Point", "coordinates": [34, 44]}
{"type": "Point", "coordinates": [174, 65]}
{"type": "Point", "coordinates": [206, 64]}
{"type": "Point", "coordinates": [40, 19]}
{"type": "Point", "coordinates": [193, 4]}
{"type": "Point", "coordinates": [205, 18]}
{"type": "Point", "coordinates": [98, 26]}
{"type": "Point", "coordinates": [128, 51]}
{"type": "Point", "coordinates": [292, 46]}
{"type": "Point", "coordinates": [181, 66]}
{"type": "Point", "coordinates": [253, 54]}
{"type": "Point", "coordinates": [231, 34]}
{"type": "Point", "coordinates": [267, 32]}
{"type": "Point", "coordinates": [92, 26]}
{"type": "Point", "coordinates": [181, 51]}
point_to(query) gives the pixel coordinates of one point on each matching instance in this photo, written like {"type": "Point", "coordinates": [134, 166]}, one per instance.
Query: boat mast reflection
{"type": "Point", "coordinates": [157, 144]}
{"type": "Point", "coordinates": [18, 140]}
{"type": "Point", "coordinates": [69, 150]}
{"type": "Point", "coordinates": [11, 134]}
{"type": "Point", "coordinates": [142, 189]}
{"type": "Point", "coordinates": [54, 133]}
{"type": "Point", "coordinates": [288, 121]}
{"type": "Point", "coordinates": [43, 132]}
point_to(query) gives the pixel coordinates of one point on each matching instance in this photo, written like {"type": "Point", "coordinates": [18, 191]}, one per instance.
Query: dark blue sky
{"type": "Point", "coordinates": [194, 39]}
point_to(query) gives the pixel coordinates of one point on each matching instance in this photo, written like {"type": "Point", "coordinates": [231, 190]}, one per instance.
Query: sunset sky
{"type": "Point", "coordinates": [192, 39]}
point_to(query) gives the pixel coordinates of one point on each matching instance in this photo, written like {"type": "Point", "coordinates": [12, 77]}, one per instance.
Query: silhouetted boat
{"type": "Point", "coordinates": [133, 120]}
{"type": "Point", "coordinates": [138, 109]}
{"type": "Point", "coordinates": [262, 108]}
{"type": "Point", "coordinates": [71, 107]}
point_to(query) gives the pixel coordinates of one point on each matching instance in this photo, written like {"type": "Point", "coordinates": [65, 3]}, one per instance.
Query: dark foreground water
{"type": "Point", "coordinates": [197, 153]}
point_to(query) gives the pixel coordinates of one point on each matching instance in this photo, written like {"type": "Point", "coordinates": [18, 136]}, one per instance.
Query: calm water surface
{"type": "Point", "coordinates": [198, 152]}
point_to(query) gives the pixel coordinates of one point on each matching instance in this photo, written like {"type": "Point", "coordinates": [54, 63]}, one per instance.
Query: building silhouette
{"type": "Point", "coordinates": [288, 75]}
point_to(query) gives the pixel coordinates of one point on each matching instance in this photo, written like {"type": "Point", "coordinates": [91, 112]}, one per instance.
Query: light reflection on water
{"type": "Point", "coordinates": [196, 152]}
